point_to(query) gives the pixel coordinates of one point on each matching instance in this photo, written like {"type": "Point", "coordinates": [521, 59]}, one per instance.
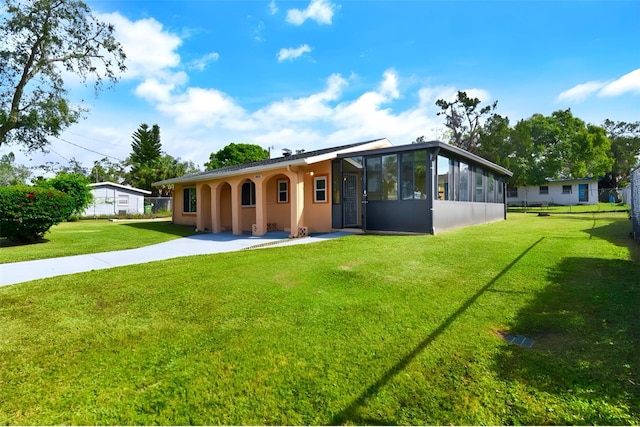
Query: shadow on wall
{"type": "Point", "coordinates": [586, 328]}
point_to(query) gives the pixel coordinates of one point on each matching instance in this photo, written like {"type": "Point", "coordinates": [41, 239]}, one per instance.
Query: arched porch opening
{"type": "Point", "coordinates": [224, 203]}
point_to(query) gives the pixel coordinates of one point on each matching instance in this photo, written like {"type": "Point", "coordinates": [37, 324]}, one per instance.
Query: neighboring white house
{"type": "Point", "coordinates": [110, 198]}
{"type": "Point", "coordinates": [565, 192]}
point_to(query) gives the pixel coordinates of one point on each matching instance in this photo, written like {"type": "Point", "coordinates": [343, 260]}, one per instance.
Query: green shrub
{"type": "Point", "coordinates": [75, 185]}
{"type": "Point", "coordinates": [26, 213]}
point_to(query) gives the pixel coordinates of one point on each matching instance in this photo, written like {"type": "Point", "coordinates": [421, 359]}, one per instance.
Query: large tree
{"type": "Point", "coordinates": [39, 41]}
{"type": "Point", "coordinates": [146, 146]}
{"type": "Point", "coordinates": [12, 173]}
{"type": "Point", "coordinates": [106, 170]}
{"type": "Point", "coordinates": [236, 154]}
{"type": "Point", "coordinates": [463, 118]}
{"type": "Point", "coordinates": [546, 147]}
{"type": "Point", "coordinates": [625, 152]}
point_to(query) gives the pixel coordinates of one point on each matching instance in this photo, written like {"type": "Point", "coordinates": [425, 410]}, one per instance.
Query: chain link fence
{"type": "Point", "coordinates": [635, 203]}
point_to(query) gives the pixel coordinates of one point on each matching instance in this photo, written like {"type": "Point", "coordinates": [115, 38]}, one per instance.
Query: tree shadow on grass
{"type": "Point", "coordinates": [586, 327]}
{"type": "Point", "coordinates": [351, 414]}
{"type": "Point", "coordinates": [618, 233]}
{"type": "Point", "coordinates": [163, 227]}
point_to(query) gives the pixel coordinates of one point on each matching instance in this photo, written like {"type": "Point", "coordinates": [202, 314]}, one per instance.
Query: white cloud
{"type": "Point", "coordinates": [201, 63]}
{"type": "Point", "coordinates": [149, 48]}
{"type": "Point", "coordinates": [293, 53]}
{"type": "Point", "coordinates": [205, 107]}
{"type": "Point", "coordinates": [580, 92]}
{"type": "Point", "coordinates": [273, 9]}
{"type": "Point", "coordinates": [307, 109]}
{"type": "Point", "coordinates": [389, 85]}
{"type": "Point", "coordinates": [629, 83]}
{"type": "Point", "coordinates": [320, 11]}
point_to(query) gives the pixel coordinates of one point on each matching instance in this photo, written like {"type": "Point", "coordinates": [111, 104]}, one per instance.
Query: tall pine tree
{"type": "Point", "coordinates": [146, 146]}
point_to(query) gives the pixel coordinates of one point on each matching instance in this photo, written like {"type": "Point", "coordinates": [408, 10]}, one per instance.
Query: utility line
{"type": "Point", "coordinates": [88, 149]}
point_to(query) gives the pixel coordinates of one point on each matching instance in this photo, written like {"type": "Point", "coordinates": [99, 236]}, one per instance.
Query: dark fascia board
{"type": "Point", "coordinates": [457, 152]}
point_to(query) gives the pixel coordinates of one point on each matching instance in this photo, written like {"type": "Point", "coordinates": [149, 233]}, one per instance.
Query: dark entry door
{"type": "Point", "coordinates": [350, 203]}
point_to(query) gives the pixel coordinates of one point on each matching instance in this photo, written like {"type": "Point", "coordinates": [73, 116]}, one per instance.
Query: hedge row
{"type": "Point", "coordinates": [26, 213]}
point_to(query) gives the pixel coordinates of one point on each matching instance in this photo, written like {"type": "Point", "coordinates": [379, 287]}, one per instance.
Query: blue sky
{"type": "Point", "coordinates": [320, 73]}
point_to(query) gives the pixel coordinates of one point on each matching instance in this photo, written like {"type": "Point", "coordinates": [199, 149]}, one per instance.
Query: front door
{"type": "Point", "coordinates": [583, 192]}
{"type": "Point", "coordinates": [350, 202]}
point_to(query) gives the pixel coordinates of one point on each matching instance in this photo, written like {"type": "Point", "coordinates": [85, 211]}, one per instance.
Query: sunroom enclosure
{"type": "Point", "coordinates": [421, 188]}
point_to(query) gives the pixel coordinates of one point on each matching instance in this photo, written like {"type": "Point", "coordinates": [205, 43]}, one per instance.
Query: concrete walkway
{"type": "Point", "coordinates": [200, 244]}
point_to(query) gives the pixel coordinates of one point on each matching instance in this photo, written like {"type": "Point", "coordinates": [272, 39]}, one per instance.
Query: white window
{"type": "Point", "coordinates": [566, 189]}
{"type": "Point", "coordinates": [283, 191]}
{"type": "Point", "coordinates": [320, 189]}
{"type": "Point", "coordinates": [123, 200]}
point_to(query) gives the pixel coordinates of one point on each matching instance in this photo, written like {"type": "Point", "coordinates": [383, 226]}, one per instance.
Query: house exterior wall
{"type": "Point", "coordinates": [530, 195]}
{"type": "Point", "coordinates": [448, 215]}
{"type": "Point", "coordinates": [110, 200]}
{"type": "Point", "coordinates": [316, 217]}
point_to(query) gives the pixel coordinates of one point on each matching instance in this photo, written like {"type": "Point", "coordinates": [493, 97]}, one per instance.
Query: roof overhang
{"type": "Point", "coordinates": [435, 145]}
{"type": "Point", "coordinates": [283, 163]}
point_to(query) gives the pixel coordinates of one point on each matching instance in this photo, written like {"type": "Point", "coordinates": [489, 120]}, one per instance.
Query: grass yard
{"type": "Point", "coordinates": [398, 330]}
{"type": "Point", "coordinates": [600, 207]}
{"type": "Point", "coordinates": [92, 236]}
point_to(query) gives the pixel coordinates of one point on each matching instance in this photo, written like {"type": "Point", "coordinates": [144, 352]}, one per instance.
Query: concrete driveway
{"type": "Point", "coordinates": [200, 244]}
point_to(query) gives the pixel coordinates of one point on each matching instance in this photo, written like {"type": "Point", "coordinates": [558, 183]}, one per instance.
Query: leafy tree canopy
{"type": "Point", "coordinates": [105, 170]}
{"type": "Point", "coordinates": [463, 118]}
{"type": "Point", "coordinates": [236, 154]}
{"type": "Point", "coordinates": [11, 173]}
{"type": "Point", "coordinates": [625, 152]}
{"type": "Point", "coordinates": [39, 41]}
{"type": "Point", "coordinates": [74, 185]}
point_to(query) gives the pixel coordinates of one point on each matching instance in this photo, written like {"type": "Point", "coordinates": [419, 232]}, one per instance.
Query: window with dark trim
{"type": "Point", "coordinates": [283, 191]}
{"type": "Point", "coordinates": [390, 177]}
{"type": "Point", "coordinates": [566, 189]}
{"type": "Point", "coordinates": [320, 189]}
{"type": "Point", "coordinates": [464, 182]}
{"type": "Point", "coordinates": [443, 178]}
{"type": "Point", "coordinates": [512, 192]}
{"type": "Point", "coordinates": [248, 194]}
{"type": "Point", "coordinates": [374, 178]}
{"type": "Point", "coordinates": [479, 193]}
{"type": "Point", "coordinates": [544, 189]}
{"type": "Point", "coordinates": [189, 204]}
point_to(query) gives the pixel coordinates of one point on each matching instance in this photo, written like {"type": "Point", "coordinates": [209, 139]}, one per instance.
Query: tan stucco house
{"type": "Point", "coordinates": [371, 185]}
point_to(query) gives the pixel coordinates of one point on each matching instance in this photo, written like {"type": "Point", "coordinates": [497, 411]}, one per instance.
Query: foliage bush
{"type": "Point", "coordinates": [73, 184]}
{"type": "Point", "coordinates": [27, 213]}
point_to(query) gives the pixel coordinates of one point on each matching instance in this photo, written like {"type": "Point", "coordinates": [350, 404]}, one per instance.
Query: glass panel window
{"type": "Point", "coordinates": [544, 189]}
{"type": "Point", "coordinates": [443, 178]}
{"type": "Point", "coordinates": [123, 200]}
{"type": "Point", "coordinates": [512, 192]}
{"type": "Point", "coordinates": [420, 170]}
{"type": "Point", "coordinates": [479, 194]}
{"type": "Point", "coordinates": [500, 187]}
{"type": "Point", "coordinates": [464, 182]}
{"type": "Point", "coordinates": [374, 178]}
{"type": "Point", "coordinates": [566, 189]}
{"type": "Point", "coordinates": [248, 194]}
{"type": "Point", "coordinates": [283, 191]}
{"type": "Point", "coordinates": [320, 189]}
{"type": "Point", "coordinates": [390, 177]}
{"type": "Point", "coordinates": [407, 176]}
{"type": "Point", "coordinates": [491, 193]}
{"type": "Point", "coordinates": [189, 204]}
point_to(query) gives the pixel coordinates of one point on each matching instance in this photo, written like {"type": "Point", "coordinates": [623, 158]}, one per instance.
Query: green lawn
{"type": "Point", "coordinates": [599, 208]}
{"type": "Point", "coordinates": [91, 236]}
{"type": "Point", "coordinates": [399, 330]}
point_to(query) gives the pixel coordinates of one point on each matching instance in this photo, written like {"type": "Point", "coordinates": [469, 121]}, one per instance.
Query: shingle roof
{"type": "Point", "coordinates": [229, 170]}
